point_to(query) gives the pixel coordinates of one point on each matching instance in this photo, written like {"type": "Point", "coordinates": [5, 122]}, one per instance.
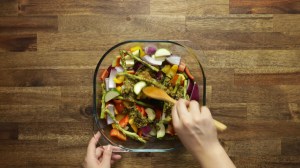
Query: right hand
{"type": "Point", "coordinates": [194, 127]}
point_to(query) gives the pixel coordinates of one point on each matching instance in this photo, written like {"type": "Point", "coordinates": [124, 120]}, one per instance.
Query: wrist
{"type": "Point", "coordinates": [209, 152]}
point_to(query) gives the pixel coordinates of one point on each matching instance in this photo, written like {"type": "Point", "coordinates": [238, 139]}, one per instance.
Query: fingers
{"type": "Point", "coordinates": [91, 150]}
{"type": "Point", "coordinates": [106, 159]}
{"type": "Point", "coordinates": [99, 151]}
{"type": "Point", "coordinates": [182, 110]}
{"type": "Point", "coordinates": [194, 109]}
{"type": "Point", "coordinates": [205, 112]}
{"type": "Point", "coordinates": [175, 117]}
{"type": "Point", "coordinates": [116, 156]}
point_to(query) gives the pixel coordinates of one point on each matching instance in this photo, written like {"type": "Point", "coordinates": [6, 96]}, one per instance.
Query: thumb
{"type": "Point", "coordinates": [107, 156]}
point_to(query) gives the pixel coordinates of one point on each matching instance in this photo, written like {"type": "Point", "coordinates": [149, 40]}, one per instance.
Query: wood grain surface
{"type": "Point", "coordinates": [49, 49]}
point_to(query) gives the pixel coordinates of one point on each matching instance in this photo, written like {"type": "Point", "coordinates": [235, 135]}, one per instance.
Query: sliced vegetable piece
{"type": "Point", "coordinates": [112, 75]}
{"type": "Point", "coordinates": [159, 58]}
{"type": "Point", "coordinates": [119, 106]}
{"type": "Point", "coordinates": [138, 48]}
{"type": "Point", "coordinates": [120, 117]}
{"type": "Point", "coordinates": [195, 92]}
{"type": "Point", "coordinates": [152, 132]}
{"type": "Point", "coordinates": [161, 130]}
{"type": "Point", "coordinates": [133, 126]}
{"type": "Point", "coordinates": [129, 63]}
{"type": "Point", "coordinates": [150, 49]}
{"type": "Point", "coordinates": [116, 61]}
{"type": "Point", "coordinates": [170, 129]}
{"type": "Point", "coordinates": [141, 109]}
{"type": "Point", "coordinates": [174, 59]}
{"type": "Point", "coordinates": [162, 52]}
{"type": "Point", "coordinates": [151, 61]}
{"type": "Point", "coordinates": [111, 94]}
{"type": "Point", "coordinates": [172, 71]}
{"type": "Point", "coordinates": [107, 84]}
{"type": "Point", "coordinates": [116, 133]}
{"type": "Point", "coordinates": [138, 87]}
{"type": "Point", "coordinates": [190, 87]}
{"type": "Point", "coordinates": [145, 130]}
{"type": "Point", "coordinates": [181, 66]}
{"type": "Point", "coordinates": [111, 110]}
{"type": "Point", "coordinates": [137, 66]}
{"type": "Point", "coordinates": [187, 71]}
{"type": "Point", "coordinates": [104, 74]}
{"type": "Point", "coordinates": [166, 68]}
{"type": "Point", "coordinates": [150, 113]}
{"type": "Point", "coordinates": [119, 69]}
{"type": "Point", "coordinates": [124, 121]}
{"type": "Point", "coordinates": [119, 79]}
{"type": "Point", "coordinates": [158, 114]}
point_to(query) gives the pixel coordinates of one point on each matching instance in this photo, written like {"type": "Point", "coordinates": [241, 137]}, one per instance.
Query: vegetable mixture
{"type": "Point", "coordinates": [123, 104]}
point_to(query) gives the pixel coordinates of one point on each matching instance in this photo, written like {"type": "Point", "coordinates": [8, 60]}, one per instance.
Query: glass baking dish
{"type": "Point", "coordinates": [169, 143]}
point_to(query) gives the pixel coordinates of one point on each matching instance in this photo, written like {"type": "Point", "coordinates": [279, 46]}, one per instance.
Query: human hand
{"type": "Point", "coordinates": [99, 157]}
{"type": "Point", "coordinates": [194, 127]}
{"type": "Point", "coordinates": [196, 130]}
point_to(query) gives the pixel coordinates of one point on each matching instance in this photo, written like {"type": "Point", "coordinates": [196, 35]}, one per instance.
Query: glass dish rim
{"type": "Point", "coordinates": [95, 115]}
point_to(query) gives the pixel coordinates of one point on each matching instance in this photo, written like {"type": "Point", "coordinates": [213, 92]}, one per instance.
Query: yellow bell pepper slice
{"type": "Point", "coordinates": [142, 53]}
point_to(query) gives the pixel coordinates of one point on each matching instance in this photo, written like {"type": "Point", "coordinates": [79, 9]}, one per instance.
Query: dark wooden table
{"type": "Point", "coordinates": [49, 49]}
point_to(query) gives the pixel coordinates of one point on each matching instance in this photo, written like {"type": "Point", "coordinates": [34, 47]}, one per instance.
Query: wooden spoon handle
{"type": "Point", "coordinates": [220, 126]}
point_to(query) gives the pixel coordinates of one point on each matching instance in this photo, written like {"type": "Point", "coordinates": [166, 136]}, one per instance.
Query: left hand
{"type": "Point", "coordinates": [100, 157]}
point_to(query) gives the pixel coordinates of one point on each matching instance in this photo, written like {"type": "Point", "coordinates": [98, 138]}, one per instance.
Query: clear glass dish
{"type": "Point", "coordinates": [169, 143]}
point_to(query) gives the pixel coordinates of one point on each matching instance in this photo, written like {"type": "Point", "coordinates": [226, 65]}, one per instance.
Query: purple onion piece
{"type": "Point", "coordinates": [190, 86]}
{"type": "Point", "coordinates": [145, 130]}
{"type": "Point", "coordinates": [137, 66]}
{"type": "Point", "coordinates": [150, 49]}
{"type": "Point", "coordinates": [159, 75]}
{"type": "Point", "coordinates": [195, 93]}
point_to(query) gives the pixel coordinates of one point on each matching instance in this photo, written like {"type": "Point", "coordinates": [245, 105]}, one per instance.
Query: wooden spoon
{"type": "Point", "coordinates": [159, 94]}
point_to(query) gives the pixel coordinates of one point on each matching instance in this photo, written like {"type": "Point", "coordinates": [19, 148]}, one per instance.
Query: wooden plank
{"type": "Point", "coordinates": [290, 146]}
{"type": "Point", "coordinates": [237, 23]}
{"type": "Point", "coordinates": [274, 94]}
{"type": "Point", "coordinates": [8, 7]}
{"type": "Point", "coordinates": [245, 129]}
{"type": "Point", "coordinates": [46, 77]}
{"type": "Point", "coordinates": [28, 24]}
{"type": "Point", "coordinates": [70, 7]}
{"type": "Point", "coordinates": [18, 42]}
{"type": "Point", "coordinates": [28, 113]}
{"type": "Point", "coordinates": [267, 161]}
{"type": "Point", "coordinates": [91, 41]}
{"type": "Point", "coordinates": [269, 147]}
{"type": "Point", "coordinates": [49, 131]}
{"type": "Point", "coordinates": [268, 76]}
{"type": "Point", "coordinates": [244, 40]}
{"type": "Point", "coordinates": [77, 94]}
{"type": "Point", "coordinates": [30, 95]}
{"type": "Point", "coordinates": [102, 24]}
{"type": "Point", "coordinates": [294, 111]}
{"type": "Point", "coordinates": [180, 159]}
{"type": "Point", "coordinates": [252, 59]}
{"type": "Point", "coordinates": [264, 7]}
{"type": "Point", "coordinates": [218, 75]}
{"type": "Point", "coordinates": [163, 7]}
{"type": "Point", "coordinates": [268, 111]}
{"type": "Point", "coordinates": [229, 94]}
{"type": "Point", "coordinates": [50, 60]}
{"type": "Point", "coordinates": [204, 8]}
{"type": "Point", "coordinates": [8, 131]}
{"type": "Point", "coordinates": [286, 23]}
{"type": "Point", "coordinates": [230, 110]}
